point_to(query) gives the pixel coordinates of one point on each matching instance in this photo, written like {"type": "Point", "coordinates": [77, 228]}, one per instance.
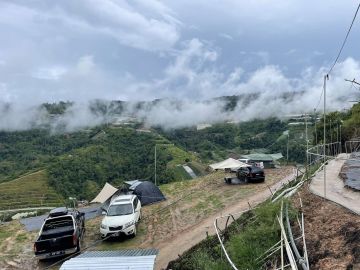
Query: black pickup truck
{"type": "Point", "coordinates": [60, 234]}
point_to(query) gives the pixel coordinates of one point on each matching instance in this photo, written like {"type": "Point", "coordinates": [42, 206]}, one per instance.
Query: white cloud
{"type": "Point", "coordinates": [226, 36]}
{"type": "Point", "coordinates": [50, 73]}
{"type": "Point", "coordinates": [85, 64]}
{"type": "Point", "coordinates": [147, 26]}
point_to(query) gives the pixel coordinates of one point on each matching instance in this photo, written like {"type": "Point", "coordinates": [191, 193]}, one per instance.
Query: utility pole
{"type": "Point", "coordinates": [307, 146]}
{"type": "Point", "coordinates": [155, 164]}
{"type": "Point", "coordinates": [352, 81]}
{"type": "Point", "coordinates": [316, 141]}
{"type": "Point", "coordinates": [287, 148]}
{"type": "Point", "coordinates": [340, 140]}
{"type": "Point", "coordinates": [331, 138]}
{"type": "Point", "coordinates": [337, 139]}
{"type": "Point", "coordinates": [325, 78]}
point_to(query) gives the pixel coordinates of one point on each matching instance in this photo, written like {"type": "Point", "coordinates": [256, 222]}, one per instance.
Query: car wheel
{"type": "Point", "coordinates": [134, 233]}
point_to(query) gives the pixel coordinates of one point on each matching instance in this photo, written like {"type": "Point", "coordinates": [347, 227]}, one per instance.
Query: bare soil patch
{"type": "Point", "coordinates": [332, 233]}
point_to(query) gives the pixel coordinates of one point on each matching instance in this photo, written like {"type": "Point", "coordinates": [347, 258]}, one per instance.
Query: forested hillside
{"type": "Point", "coordinates": [79, 163]}
{"type": "Point", "coordinates": [219, 140]}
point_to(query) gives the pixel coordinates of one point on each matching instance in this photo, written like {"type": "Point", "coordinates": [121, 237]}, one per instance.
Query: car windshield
{"type": "Point", "coordinates": [120, 210]}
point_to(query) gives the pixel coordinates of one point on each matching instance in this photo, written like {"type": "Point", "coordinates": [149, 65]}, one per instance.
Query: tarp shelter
{"type": "Point", "coordinates": [106, 192]}
{"type": "Point", "coordinates": [228, 164]}
{"type": "Point", "coordinates": [146, 191]}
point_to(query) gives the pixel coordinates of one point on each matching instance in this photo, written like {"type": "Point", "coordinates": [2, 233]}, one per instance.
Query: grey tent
{"type": "Point", "coordinates": [146, 191]}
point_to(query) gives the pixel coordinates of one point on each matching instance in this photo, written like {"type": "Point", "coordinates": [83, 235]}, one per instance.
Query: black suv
{"type": "Point", "coordinates": [250, 174]}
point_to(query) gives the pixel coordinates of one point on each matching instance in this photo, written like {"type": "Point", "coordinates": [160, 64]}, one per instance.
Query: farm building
{"type": "Point", "coordinates": [267, 159]}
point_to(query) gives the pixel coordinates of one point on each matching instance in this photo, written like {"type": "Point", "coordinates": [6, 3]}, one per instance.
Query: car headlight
{"type": "Point", "coordinates": [102, 226]}
{"type": "Point", "coordinates": [128, 224]}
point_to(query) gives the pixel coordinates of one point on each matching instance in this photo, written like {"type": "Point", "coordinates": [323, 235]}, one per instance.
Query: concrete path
{"type": "Point", "coordinates": [189, 171]}
{"type": "Point", "coordinates": [335, 190]}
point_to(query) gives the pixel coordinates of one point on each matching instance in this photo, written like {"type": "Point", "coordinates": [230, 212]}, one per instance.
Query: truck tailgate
{"type": "Point", "coordinates": [54, 244]}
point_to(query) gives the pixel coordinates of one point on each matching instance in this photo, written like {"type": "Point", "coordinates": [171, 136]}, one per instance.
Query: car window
{"type": "Point", "coordinates": [120, 210]}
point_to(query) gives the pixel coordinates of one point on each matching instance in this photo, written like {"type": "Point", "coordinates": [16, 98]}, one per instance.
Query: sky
{"type": "Point", "coordinates": [176, 49]}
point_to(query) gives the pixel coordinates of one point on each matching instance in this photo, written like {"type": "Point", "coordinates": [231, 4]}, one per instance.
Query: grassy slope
{"type": "Point", "coordinates": [200, 197]}
{"type": "Point", "coordinates": [31, 190]}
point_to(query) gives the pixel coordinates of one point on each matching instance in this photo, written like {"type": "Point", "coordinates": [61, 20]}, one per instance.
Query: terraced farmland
{"type": "Point", "coordinates": [30, 190]}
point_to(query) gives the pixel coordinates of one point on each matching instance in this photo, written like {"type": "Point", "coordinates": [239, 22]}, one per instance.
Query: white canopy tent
{"type": "Point", "coordinates": [106, 192]}
{"type": "Point", "coordinates": [228, 164]}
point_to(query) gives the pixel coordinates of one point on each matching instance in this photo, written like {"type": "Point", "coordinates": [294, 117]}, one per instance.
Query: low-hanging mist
{"type": "Point", "coordinates": [266, 92]}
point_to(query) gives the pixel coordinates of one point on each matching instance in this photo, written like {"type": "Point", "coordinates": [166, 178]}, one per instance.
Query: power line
{"type": "Point", "coordinates": [338, 55]}
{"type": "Point", "coordinates": [344, 42]}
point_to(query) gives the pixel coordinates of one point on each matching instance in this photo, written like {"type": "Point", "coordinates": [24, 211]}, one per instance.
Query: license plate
{"type": "Point", "coordinates": [116, 234]}
{"type": "Point", "coordinates": [56, 253]}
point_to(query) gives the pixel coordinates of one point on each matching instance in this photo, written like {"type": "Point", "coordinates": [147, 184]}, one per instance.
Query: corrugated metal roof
{"type": "Point", "coordinates": [134, 259]}
{"type": "Point", "coordinates": [263, 157]}
{"type": "Point", "coordinates": [119, 253]}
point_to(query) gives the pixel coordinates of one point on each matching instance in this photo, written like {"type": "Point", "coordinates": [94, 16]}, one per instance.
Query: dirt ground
{"type": "Point", "coordinates": [172, 226]}
{"type": "Point", "coordinates": [332, 233]}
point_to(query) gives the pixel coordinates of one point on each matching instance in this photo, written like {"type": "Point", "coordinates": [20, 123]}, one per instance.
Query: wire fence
{"type": "Point", "coordinates": [322, 153]}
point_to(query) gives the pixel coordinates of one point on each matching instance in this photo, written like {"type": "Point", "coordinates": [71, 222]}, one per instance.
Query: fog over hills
{"type": "Point", "coordinates": [172, 113]}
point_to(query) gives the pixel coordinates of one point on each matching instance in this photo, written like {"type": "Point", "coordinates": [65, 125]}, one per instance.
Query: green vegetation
{"type": "Point", "coordinates": [245, 240]}
{"type": "Point", "coordinates": [26, 151]}
{"type": "Point", "coordinates": [348, 120]}
{"type": "Point", "coordinates": [116, 156]}
{"type": "Point", "coordinates": [220, 140]}
{"type": "Point", "coordinates": [30, 190]}
{"type": "Point", "coordinates": [79, 163]}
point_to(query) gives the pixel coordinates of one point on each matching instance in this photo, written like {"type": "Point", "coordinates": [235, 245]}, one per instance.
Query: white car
{"type": "Point", "coordinates": [121, 217]}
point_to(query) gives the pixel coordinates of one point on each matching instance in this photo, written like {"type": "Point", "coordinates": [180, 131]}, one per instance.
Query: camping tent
{"type": "Point", "coordinates": [146, 191]}
{"type": "Point", "coordinates": [229, 163]}
{"type": "Point", "coordinates": [106, 192]}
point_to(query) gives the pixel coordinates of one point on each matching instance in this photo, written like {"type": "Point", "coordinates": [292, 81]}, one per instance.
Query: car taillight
{"type": "Point", "coordinates": [74, 239]}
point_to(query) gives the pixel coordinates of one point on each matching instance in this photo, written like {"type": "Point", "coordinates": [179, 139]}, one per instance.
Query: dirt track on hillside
{"type": "Point", "coordinates": [182, 241]}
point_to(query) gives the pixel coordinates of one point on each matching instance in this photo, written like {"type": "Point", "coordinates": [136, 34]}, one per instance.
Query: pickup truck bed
{"type": "Point", "coordinates": [59, 236]}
